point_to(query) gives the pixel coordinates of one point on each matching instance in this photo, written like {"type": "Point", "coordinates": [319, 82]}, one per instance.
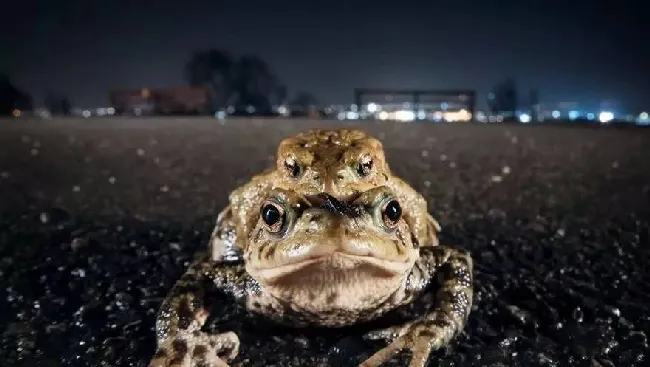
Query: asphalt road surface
{"type": "Point", "coordinates": [99, 217]}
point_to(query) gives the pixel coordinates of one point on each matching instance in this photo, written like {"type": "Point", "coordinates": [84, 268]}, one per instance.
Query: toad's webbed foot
{"type": "Point", "coordinates": [180, 341]}
{"type": "Point", "coordinates": [453, 271]}
{"type": "Point", "coordinates": [420, 338]}
{"type": "Point", "coordinates": [388, 334]}
{"type": "Point", "coordinates": [197, 349]}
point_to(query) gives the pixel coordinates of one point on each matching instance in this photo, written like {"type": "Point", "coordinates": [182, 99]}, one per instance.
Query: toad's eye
{"type": "Point", "coordinates": [391, 213]}
{"type": "Point", "coordinates": [273, 217]}
{"type": "Point", "coordinates": [365, 166]}
{"type": "Point", "coordinates": [292, 166]}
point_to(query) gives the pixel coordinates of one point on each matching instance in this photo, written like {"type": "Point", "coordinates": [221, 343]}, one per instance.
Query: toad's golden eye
{"type": "Point", "coordinates": [273, 216]}
{"type": "Point", "coordinates": [391, 213]}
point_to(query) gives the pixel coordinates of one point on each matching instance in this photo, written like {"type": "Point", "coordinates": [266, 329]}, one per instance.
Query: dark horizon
{"type": "Point", "coordinates": [578, 52]}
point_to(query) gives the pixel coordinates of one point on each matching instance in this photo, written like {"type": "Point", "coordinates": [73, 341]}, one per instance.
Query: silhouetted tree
{"type": "Point", "coordinates": [12, 98]}
{"type": "Point", "coordinates": [504, 98]}
{"type": "Point", "coordinates": [280, 95]}
{"type": "Point", "coordinates": [254, 83]}
{"type": "Point", "coordinates": [7, 95]}
{"type": "Point", "coordinates": [212, 69]}
{"type": "Point", "coordinates": [58, 105]}
{"type": "Point", "coordinates": [24, 102]}
{"type": "Point", "coordinates": [303, 104]}
{"type": "Point", "coordinates": [248, 81]}
{"type": "Point", "coordinates": [303, 100]}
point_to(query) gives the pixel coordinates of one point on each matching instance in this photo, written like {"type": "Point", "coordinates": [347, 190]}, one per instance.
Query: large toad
{"type": "Point", "coordinates": [341, 163]}
{"type": "Point", "coordinates": [316, 260]}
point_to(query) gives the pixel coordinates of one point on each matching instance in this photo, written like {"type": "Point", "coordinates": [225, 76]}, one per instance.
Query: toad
{"type": "Point", "coordinates": [341, 163]}
{"type": "Point", "coordinates": [315, 260]}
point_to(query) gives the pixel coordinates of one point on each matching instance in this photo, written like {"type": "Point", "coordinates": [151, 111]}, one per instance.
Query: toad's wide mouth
{"type": "Point", "coordinates": [333, 262]}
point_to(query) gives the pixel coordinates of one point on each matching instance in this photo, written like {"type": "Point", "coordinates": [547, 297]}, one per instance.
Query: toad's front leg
{"type": "Point", "coordinates": [452, 269]}
{"type": "Point", "coordinates": [223, 241]}
{"type": "Point", "coordinates": [180, 341]}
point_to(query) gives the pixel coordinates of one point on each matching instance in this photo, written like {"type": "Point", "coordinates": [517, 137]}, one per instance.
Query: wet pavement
{"type": "Point", "coordinates": [99, 217]}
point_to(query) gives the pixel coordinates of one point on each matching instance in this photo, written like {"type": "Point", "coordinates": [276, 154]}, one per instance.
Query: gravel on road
{"type": "Point", "coordinates": [99, 217]}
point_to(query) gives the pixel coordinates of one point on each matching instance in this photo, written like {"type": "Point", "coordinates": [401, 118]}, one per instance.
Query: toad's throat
{"type": "Point", "coordinates": [333, 262]}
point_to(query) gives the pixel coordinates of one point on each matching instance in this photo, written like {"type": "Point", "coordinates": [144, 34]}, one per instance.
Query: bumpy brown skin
{"type": "Point", "coordinates": [325, 263]}
{"type": "Point", "coordinates": [341, 163]}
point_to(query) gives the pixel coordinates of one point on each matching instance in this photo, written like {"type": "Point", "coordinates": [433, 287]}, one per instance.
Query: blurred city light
{"type": "Point", "coordinates": [524, 118]}
{"type": "Point", "coordinates": [555, 114]}
{"type": "Point", "coordinates": [352, 115]}
{"type": "Point", "coordinates": [404, 115]}
{"type": "Point", "coordinates": [573, 115]}
{"type": "Point", "coordinates": [16, 113]}
{"type": "Point", "coordinates": [372, 108]}
{"type": "Point", "coordinates": [422, 115]}
{"type": "Point", "coordinates": [283, 110]}
{"type": "Point", "coordinates": [462, 115]}
{"type": "Point", "coordinates": [383, 115]}
{"type": "Point", "coordinates": [110, 111]}
{"type": "Point", "coordinates": [591, 116]}
{"type": "Point", "coordinates": [85, 113]}
{"type": "Point", "coordinates": [643, 116]}
{"type": "Point", "coordinates": [605, 117]}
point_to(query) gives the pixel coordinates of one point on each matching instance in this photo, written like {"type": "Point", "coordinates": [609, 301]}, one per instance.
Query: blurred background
{"type": "Point", "coordinates": [417, 61]}
{"type": "Point", "coordinates": [126, 124]}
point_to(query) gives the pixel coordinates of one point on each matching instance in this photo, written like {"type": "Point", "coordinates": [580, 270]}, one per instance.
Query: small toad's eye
{"type": "Point", "coordinates": [292, 167]}
{"type": "Point", "coordinates": [391, 213]}
{"type": "Point", "coordinates": [365, 166]}
{"type": "Point", "coordinates": [273, 217]}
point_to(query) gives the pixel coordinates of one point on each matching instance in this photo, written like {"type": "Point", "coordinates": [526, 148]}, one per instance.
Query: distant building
{"type": "Point", "coordinates": [410, 105]}
{"type": "Point", "coordinates": [180, 100]}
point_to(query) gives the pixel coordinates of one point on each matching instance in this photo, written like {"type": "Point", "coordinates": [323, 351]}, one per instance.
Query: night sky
{"type": "Point", "coordinates": [582, 51]}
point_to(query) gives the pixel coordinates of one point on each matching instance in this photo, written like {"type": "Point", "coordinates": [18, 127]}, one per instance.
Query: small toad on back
{"type": "Point", "coordinates": [342, 163]}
